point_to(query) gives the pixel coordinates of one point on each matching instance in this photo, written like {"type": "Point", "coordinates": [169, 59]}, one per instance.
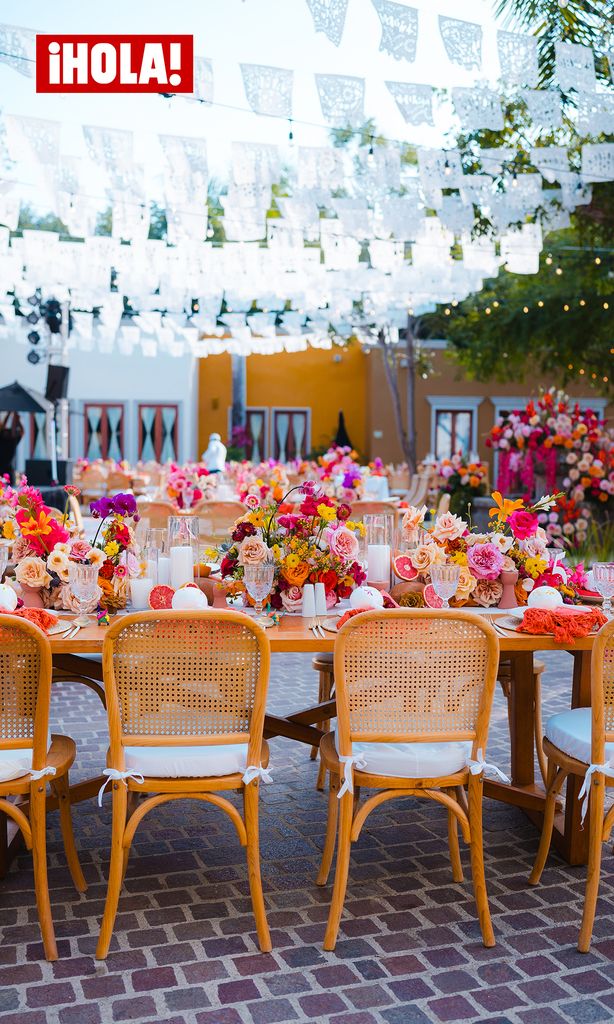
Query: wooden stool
{"type": "Point", "coordinates": [504, 677]}
{"type": "Point", "coordinates": [323, 663]}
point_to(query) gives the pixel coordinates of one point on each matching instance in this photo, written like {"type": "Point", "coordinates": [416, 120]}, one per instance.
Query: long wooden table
{"type": "Point", "coordinates": [292, 635]}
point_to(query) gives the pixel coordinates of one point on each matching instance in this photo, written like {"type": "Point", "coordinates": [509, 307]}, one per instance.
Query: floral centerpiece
{"type": "Point", "coordinates": [315, 542]}
{"type": "Point", "coordinates": [113, 544]}
{"type": "Point", "coordinates": [265, 481]}
{"type": "Point", "coordinates": [8, 503]}
{"type": "Point", "coordinates": [184, 484]}
{"type": "Point", "coordinates": [514, 552]}
{"type": "Point", "coordinates": [340, 473]}
{"type": "Point", "coordinates": [463, 479]}
{"type": "Point", "coordinates": [554, 444]}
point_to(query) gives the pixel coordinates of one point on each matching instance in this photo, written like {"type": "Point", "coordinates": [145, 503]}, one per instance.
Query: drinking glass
{"type": "Point", "coordinates": [603, 577]}
{"type": "Point", "coordinates": [157, 538]}
{"type": "Point", "coordinates": [258, 580]}
{"type": "Point", "coordinates": [445, 581]}
{"type": "Point", "coordinates": [84, 585]}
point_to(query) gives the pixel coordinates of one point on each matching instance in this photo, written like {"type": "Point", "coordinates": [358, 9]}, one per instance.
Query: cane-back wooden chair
{"type": "Point", "coordinates": [30, 758]}
{"type": "Point", "coordinates": [217, 519]}
{"type": "Point", "coordinates": [157, 513]}
{"type": "Point", "coordinates": [186, 694]}
{"type": "Point", "coordinates": [360, 509]}
{"type": "Point", "coordinates": [581, 742]}
{"type": "Point", "coordinates": [414, 693]}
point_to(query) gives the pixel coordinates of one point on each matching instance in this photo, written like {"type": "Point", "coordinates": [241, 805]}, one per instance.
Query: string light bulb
{"type": "Point", "coordinates": [581, 372]}
{"type": "Point", "coordinates": [290, 132]}
{"type": "Point", "coordinates": [447, 311]}
{"type": "Point", "coordinates": [606, 305]}
{"type": "Point", "coordinates": [515, 180]}
{"type": "Point", "coordinates": [549, 259]}
{"type": "Point", "coordinates": [583, 302]}
{"type": "Point", "coordinates": [496, 304]}
{"type": "Point", "coordinates": [488, 311]}
{"type": "Point", "coordinates": [558, 271]}
{"type": "Point", "coordinates": [455, 302]}
{"type": "Point", "coordinates": [566, 308]}
{"type": "Point", "coordinates": [525, 309]}
{"type": "Point", "coordinates": [370, 154]}
{"type": "Point", "coordinates": [597, 260]}
{"type": "Point", "coordinates": [541, 303]}
{"type": "Point", "coordinates": [447, 170]}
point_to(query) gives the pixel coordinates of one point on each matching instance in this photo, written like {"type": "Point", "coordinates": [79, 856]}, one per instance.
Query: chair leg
{"type": "Point", "coordinates": [555, 779]}
{"type": "Point", "coordinates": [539, 733]}
{"type": "Point", "coordinates": [250, 807]}
{"type": "Point", "coordinates": [341, 872]}
{"type": "Point", "coordinates": [331, 830]}
{"type": "Point", "coordinates": [594, 864]}
{"type": "Point", "coordinates": [455, 859]}
{"type": "Point", "coordinates": [476, 849]}
{"type": "Point", "coordinates": [38, 802]}
{"type": "Point", "coordinates": [120, 801]}
{"type": "Point", "coordinates": [61, 788]}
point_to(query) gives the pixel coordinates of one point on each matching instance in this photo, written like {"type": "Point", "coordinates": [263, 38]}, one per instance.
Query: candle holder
{"type": "Point", "coordinates": [379, 533]}
{"type": "Point", "coordinates": [183, 533]}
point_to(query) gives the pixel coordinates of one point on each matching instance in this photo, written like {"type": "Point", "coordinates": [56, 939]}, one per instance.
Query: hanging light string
{"type": "Point", "coordinates": [371, 137]}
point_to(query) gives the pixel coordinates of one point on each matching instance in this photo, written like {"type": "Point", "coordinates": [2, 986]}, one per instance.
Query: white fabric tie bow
{"type": "Point", "coordinates": [114, 774]}
{"type": "Point", "coordinates": [348, 776]}
{"type": "Point", "coordinates": [257, 772]}
{"type": "Point", "coordinates": [479, 766]}
{"type": "Point", "coordinates": [41, 772]}
{"type": "Point", "coordinates": [605, 769]}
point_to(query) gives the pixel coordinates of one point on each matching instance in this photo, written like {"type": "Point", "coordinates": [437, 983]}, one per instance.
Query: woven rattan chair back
{"type": "Point", "coordinates": [185, 678]}
{"type": "Point", "coordinates": [157, 512]}
{"type": "Point", "coordinates": [217, 519]}
{"type": "Point", "coordinates": [25, 687]}
{"type": "Point", "coordinates": [415, 676]}
{"type": "Point", "coordinates": [602, 692]}
{"type": "Point", "coordinates": [118, 481]}
{"type": "Point", "coordinates": [360, 509]}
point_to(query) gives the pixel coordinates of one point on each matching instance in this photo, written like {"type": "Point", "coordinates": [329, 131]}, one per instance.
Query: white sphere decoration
{"type": "Point", "coordinates": [544, 597]}
{"type": "Point", "coordinates": [366, 596]}
{"type": "Point", "coordinates": [8, 598]}
{"type": "Point", "coordinates": [189, 599]}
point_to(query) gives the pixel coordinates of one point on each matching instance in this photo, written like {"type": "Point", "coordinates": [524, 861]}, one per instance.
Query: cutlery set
{"type": "Point", "coordinates": [317, 629]}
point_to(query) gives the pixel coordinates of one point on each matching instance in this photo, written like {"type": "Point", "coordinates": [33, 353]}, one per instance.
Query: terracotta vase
{"type": "Point", "coordinates": [31, 596]}
{"type": "Point", "coordinates": [509, 578]}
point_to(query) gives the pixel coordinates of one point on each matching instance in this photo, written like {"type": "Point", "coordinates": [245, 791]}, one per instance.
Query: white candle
{"type": "Point", "coordinates": [182, 565]}
{"type": "Point", "coordinates": [164, 569]}
{"type": "Point", "coordinates": [152, 569]}
{"type": "Point", "coordinates": [378, 563]}
{"type": "Point", "coordinates": [140, 589]}
{"type": "Point", "coordinates": [320, 596]}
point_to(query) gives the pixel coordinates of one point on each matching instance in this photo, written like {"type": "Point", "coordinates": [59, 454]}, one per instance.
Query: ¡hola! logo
{"type": "Point", "coordinates": [78, 63]}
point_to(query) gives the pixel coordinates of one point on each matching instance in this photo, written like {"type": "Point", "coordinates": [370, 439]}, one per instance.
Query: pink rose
{"type": "Point", "coordinates": [331, 599]}
{"type": "Point", "coordinates": [449, 527]}
{"type": "Point", "coordinates": [252, 551]}
{"type": "Point", "coordinates": [343, 544]}
{"type": "Point", "coordinates": [79, 551]}
{"type": "Point", "coordinates": [292, 599]}
{"type": "Point", "coordinates": [523, 524]}
{"type": "Point", "coordinates": [485, 561]}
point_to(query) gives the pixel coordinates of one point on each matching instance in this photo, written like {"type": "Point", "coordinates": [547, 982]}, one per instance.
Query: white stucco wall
{"type": "Point", "coordinates": [98, 377]}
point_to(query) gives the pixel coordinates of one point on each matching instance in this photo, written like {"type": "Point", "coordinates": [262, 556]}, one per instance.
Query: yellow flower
{"type": "Point", "coordinates": [460, 557]}
{"type": "Point", "coordinates": [504, 506]}
{"type": "Point", "coordinates": [291, 561]}
{"type": "Point", "coordinates": [276, 551]}
{"type": "Point", "coordinates": [256, 518]}
{"type": "Point", "coordinates": [8, 530]}
{"type": "Point", "coordinates": [259, 482]}
{"type": "Point", "coordinates": [111, 549]}
{"type": "Point", "coordinates": [361, 529]}
{"type": "Point", "coordinates": [535, 566]}
{"type": "Point", "coordinates": [351, 525]}
{"type": "Point", "coordinates": [327, 513]}
{"type": "Point", "coordinates": [211, 554]}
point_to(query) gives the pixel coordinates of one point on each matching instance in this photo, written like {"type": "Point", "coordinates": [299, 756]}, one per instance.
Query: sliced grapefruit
{"type": "Point", "coordinates": [431, 599]}
{"type": "Point", "coordinates": [403, 568]}
{"type": "Point", "coordinates": [161, 596]}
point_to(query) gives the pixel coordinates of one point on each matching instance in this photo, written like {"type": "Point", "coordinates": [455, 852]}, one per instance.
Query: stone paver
{"type": "Point", "coordinates": [184, 949]}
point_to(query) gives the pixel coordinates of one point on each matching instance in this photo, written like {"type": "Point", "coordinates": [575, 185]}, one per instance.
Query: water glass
{"type": "Point", "coordinates": [445, 581]}
{"type": "Point", "coordinates": [258, 580]}
{"type": "Point", "coordinates": [603, 578]}
{"type": "Point", "coordinates": [83, 580]}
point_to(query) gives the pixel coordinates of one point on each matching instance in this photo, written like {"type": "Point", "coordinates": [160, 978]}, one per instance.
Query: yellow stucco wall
{"type": "Point", "coordinates": [324, 381]}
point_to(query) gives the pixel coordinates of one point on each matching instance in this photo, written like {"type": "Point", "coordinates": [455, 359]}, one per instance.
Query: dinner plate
{"type": "Point", "coordinates": [330, 625]}
{"type": "Point", "coordinates": [512, 622]}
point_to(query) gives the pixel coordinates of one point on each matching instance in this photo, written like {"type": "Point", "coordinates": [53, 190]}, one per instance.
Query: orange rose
{"type": "Point", "coordinates": [296, 575]}
{"type": "Point", "coordinates": [474, 481]}
{"type": "Point", "coordinates": [585, 481]}
{"type": "Point", "coordinates": [521, 594]}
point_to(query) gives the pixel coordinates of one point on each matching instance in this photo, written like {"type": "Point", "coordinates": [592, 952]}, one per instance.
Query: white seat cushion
{"type": "Point", "coordinates": [570, 731]}
{"type": "Point", "coordinates": [14, 764]}
{"type": "Point", "coordinates": [192, 762]}
{"type": "Point", "coordinates": [413, 760]}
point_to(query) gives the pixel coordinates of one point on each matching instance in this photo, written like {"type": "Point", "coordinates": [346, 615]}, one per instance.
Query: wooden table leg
{"type": "Point", "coordinates": [521, 719]}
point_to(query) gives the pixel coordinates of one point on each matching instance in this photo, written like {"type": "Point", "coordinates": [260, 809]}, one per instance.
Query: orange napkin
{"type": "Point", "coordinates": [567, 624]}
{"type": "Point", "coordinates": [38, 617]}
{"type": "Point", "coordinates": [351, 612]}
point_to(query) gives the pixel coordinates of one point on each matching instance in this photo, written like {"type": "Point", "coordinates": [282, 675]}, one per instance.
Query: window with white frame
{"type": "Point", "coordinates": [454, 424]}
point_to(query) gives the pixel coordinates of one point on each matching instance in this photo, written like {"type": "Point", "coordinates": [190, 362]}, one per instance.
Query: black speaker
{"type": "Point", "coordinates": [38, 472]}
{"type": "Point", "coordinates": [57, 382]}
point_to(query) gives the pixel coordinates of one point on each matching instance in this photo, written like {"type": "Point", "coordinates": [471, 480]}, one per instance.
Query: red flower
{"type": "Point", "coordinates": [228, 565]}
{"type": "Point", "coordinates": [343, 512]}
{"type": "Point", "coordinates": [106, 570]}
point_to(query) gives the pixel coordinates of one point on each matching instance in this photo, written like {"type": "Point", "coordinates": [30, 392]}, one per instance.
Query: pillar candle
{"type": "Point", "coordinates": [378, 563]}
{"type": "Point", "coordinates": [164, 569]}
{"type": "Point", "coordinates": [182, 565]}
{"type": "Point", "coordinates": [140, 590]}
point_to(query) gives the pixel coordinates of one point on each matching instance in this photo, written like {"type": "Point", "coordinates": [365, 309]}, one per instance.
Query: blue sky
{"type": "Point", "coordinates": [276, 32]}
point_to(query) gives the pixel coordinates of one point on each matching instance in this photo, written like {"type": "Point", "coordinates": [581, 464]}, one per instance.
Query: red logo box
{"type": "Point", "coordinates": [143, 63]}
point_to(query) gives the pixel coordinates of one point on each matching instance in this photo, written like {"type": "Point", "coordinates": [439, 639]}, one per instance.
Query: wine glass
{"type": "Point", "coordinates": [603, 578]}
{"type": "Point", "coordinates": [258, 580]}
{"type": "Point", "coordinates": [445, 581]}
{"type": "Point", "coordinates": [83, 579]}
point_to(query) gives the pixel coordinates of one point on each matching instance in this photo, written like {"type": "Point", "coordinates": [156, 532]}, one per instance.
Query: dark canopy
{"type": "Point", "coordinates": [17, 398]}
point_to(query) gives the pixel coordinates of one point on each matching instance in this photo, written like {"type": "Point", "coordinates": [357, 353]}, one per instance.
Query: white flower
{"type": "Point", "coordinates": [63, 548]}
{"type": "Point", "coordinates": [528, 585]}
{"type": "Point", "coordinates": [477, 538]}
{"type": "Point", "coordinates": [574, 474]}
{"type": "Point", "coordinates": [571, 458]}
{"type": "Point", "coordinates": [568, 529]}
{"type": "Point", "coordinates": [96, 556]}
{"type": "Point", "coordinates": [581, 524]}
{"type": "Point", "coordinates": [501, 541]}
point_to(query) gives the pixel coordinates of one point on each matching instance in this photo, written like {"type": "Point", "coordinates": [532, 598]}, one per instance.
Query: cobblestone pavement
{"type": "Point", "coordinates": [184, 949]}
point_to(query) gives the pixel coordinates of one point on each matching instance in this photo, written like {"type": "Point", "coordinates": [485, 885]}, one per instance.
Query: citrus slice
{"type": "Point", "coordinates": [161, 596]}
{"type": "Point", "coordinates": [184, 585]}
{"type": "Point", "coordinates": [403, 568]}
{"type": "Point", "coordinates": [431, 599]}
